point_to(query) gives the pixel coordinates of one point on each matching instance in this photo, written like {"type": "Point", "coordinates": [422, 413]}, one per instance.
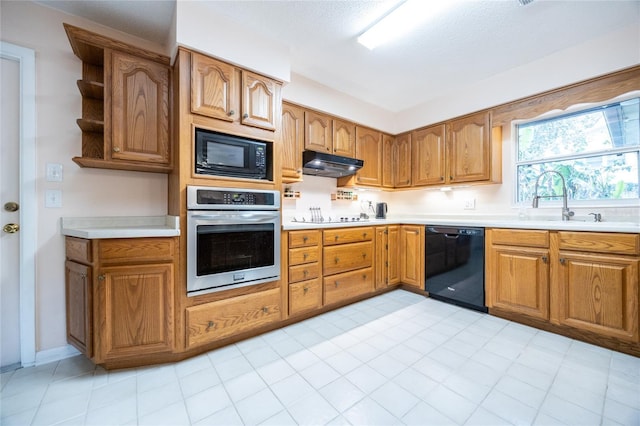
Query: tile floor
{"type": "Point", "coordinates": [394, 359]}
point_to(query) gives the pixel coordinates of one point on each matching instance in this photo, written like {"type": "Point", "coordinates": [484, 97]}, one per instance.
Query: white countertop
{"type": "Point", "coordinates": [486, 222]}
{"type": "Point", "coordinates": [121, 226]}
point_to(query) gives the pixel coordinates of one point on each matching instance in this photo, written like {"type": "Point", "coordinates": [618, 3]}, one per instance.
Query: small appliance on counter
{"type": "Point", "coordinates": [381, 210]}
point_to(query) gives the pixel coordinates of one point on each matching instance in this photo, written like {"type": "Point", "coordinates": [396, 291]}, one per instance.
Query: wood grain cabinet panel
{"type": "Point", "coordinates": [369, 150]}
{"type": "Point", "coordinates": [304, 238]}
{"type": "Point", "coordinates": [79, 305]}
{"type": "Point", "coordinates": [346, 257]}
{"type": "Point", "coordinates": [259, 97]}
{"type": "Point", "coordinates": [216, 320]}
{"type": "Point", "coordinates": [348, 285]}
{"type": "Point", "coordinates": [303, 272]}
{"type": "Point", "coordinates": [302, 255]}
{"type": "Point", "coordinates": [387, 264]}
{"type": "Point", "coordinates": [318, 134]}
{"type": "Point", "coordinates": [292, 139]}
{"type": "Point", "coordinates": [344, 138]}
{"type": "Point", "coordinates": [428, 156]}
{"type": "Point", "coordinates": [412, 257]}
{"type": "Point", "coordinates": [347, 235]}
{"type": "Point", "coordinates": [598, 293]}
{"type": "Point", "coordinates": [214, 88]}
{"type": "Point", "coordinates": [470, 149]}
{"type": "Point", "coordinates": [305, 296]}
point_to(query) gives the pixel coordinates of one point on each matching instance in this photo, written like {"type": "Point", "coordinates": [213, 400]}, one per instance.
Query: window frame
{"type": "Point", "coordinates": [573, 109]}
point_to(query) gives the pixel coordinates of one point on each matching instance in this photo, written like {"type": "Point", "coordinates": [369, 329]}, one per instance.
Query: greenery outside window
{"type": "Point", "coordinates": [596, 150]}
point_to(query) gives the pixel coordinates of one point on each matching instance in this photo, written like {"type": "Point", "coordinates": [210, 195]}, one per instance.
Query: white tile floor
{"type": "Point", "coordinates": [395, 359]}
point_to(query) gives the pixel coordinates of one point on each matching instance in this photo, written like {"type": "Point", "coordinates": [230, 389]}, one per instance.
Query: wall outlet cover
{"type": "Point", "coordinates": [53, 198]}
{"type": "Point", "coordinates": [54, 172]}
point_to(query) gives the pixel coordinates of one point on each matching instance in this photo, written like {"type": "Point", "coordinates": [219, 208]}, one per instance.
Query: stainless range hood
{"type": "Point", "coordinates": [328, 165]}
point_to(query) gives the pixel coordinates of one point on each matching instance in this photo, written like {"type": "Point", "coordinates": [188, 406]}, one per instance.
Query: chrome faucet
{"type": "Point", "coordinates": [566, 213]}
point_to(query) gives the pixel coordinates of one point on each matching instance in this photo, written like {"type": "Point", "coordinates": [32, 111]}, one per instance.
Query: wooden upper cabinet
{"type": "Point", "coordinates": [369, 150]}
{"type": "Point", "coordinates": [428, 156]}
{"type": "Point", "coordinates": [292, 139]}
{"type": "Point", "coordinates": [140, 110]}
{"type": "Point", "coordinates": [344, 138]}
{"type": "Point", "coordinates": [389, 162]}
{"type": "Point", "coordinates": [259, 97]}
{"type": "Point", "coordinates": [470, 148]}
{"type": "Point", "coordinates": [224, 92]}
{"type": "Point", "coordinates": [318, 134]}
{"type": "Point", "coordinates": [213, 88]}
{"type": "Point", "coordinates": [402, 161]}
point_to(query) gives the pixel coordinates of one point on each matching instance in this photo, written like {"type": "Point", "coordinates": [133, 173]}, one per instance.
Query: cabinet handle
{"type": "Point", "coordinates": [100, 277]}
{"type": "Point", "coordinates": [265, 309]}
{"type": "Point", "coordinates": [304, 256]}
{"type": "Point", "coordinates": [442, 178]}
{"type": "Point", "coordinates": [305, 290]}
{"type": "Point", "coordinates": [416, 232]}
{"type": "Point", "coordinates": [336, 283]}
{"type": "Point", "coordinates": [364, 235]}
{"type": "Point", "coordinates": [364, 277]}
{"type": "Point", "coordinates": [364, 255]}
{"type": "Point", "coordinates": [544, 259]}
{"type": "Point", "coordinates": [245, 115]}
{"type": "Point", "coordinates": [305, 273]}
{"type": "Point", "coordinates": [336, 238]}
{"type": "Point", "coordinates": [116, 149]}
{"type": "Point", "coordinates": [230, 113]}
{"type": "Point", "coordinates": [563, 260]}
{"type": "Point", "coordinates": [337, 260]}
{"type": "Point", "coordinates": [304, 239]}
{"type": "Point", "coordinates": [450, 177]}
{"type": "Point", "coordinates": [210, 325]}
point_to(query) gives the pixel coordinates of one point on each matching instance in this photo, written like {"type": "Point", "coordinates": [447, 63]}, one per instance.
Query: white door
{"type": "Point", "coordinates": [17, 206]}
{"type": "Point", "coordinates": [9, 215]}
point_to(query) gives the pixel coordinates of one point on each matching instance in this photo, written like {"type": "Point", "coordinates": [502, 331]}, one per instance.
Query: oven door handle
{"type": "Point", "coordinates": [234, 218]}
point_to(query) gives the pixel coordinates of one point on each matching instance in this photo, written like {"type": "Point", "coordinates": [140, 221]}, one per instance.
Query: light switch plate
{"type": "Point", "coordinates": [54, 172]}
{"type": "Point", "coordinates": [53, 198]}
{"type": "Point", "coordinates": [470, 204]}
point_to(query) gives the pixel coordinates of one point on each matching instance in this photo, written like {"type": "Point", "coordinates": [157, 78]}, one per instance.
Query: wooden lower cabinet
{"type": "Point", "coordinates": [412, 255]}
{"type": "Point", "coordinates": [209, 322]}
{"type": "Point", "coordinates": [348, 285]}
{"type": "Point", "coordinates": [305, 296]}
{"type": "Point", "coordinates": [120, 296]}
{"type": "Point", "coordinates": [517, 271]}
{"type": "Point", "coordinates": [582, 284]}
{"type": "Point", "coordinates": [387, 264]}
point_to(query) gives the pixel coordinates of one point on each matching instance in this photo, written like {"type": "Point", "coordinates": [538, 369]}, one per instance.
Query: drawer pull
{"type": "Point", "coordinates": [210, 325]}
{"type": "Point", "coordinates": [337, 260]}
{"type": "Point", "coordinates": [305, 255]}
{"type": "Point", "coordinates": [364, 255]}
{"type": "Point", "coordinates": [230, 113]}
{"type": "Point", "coordinates": [305, 290]}
{"type": "Point", "coordinates": [563, 260]}
{"type": "Point", "coordinates": [544, 259]}
{"type": "Point", "coordinates": [100, 277]}
{"type": "Point", "coordinates": [364, 235]}
{"type": "Point", "coordinates": [305, 273]}
{"type": "Point", "coordinates": [265, 309]}
{"type": "Point", "coordinates": [336, 238]}
{"type": "Point", "coordinates": [336, 283]}
{"type": "Point", "coordinates": [304, 239]}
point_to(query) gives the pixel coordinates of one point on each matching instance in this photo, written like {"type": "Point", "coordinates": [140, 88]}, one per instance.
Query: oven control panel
{"type": "Point", "coordinates": [209, 198]}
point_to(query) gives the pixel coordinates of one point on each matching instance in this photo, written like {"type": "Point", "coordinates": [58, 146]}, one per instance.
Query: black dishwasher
{"type": "Point", "coordinates": [454, 265]}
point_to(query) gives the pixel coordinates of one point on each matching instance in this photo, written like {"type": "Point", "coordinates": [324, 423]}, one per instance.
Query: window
{"type": "Point", "coordinates": [596, 150]}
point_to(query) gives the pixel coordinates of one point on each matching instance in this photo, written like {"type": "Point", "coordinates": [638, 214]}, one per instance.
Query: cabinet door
{"type": "Point", "coordinates": [292, 140]}
{"type": "Point", "coordinates": [381, 263]}
{"type": "Point", "coordinates": [598, 293]}
{"type": "Point", "coordinates": [305, 296]}
{"type": "Point", "coordinates": [369, 150]}
{"type": "Point", "coordinates": [393, 256]}
{"type": "Point", "coordinates": [317, 132]}
{"type": "Point", "coordinates": [214, 88]}
{"type": "Point", "coordinates": [470, 149]}
{"type": "Point", "coordinates": [347, 257]}
{"type": "Point", "coordinates": [139, 110]}
{"type": "Point", "coordinates": [344, 138]}
{"type": "Point", "coordinates": [518, 280]}
{"type": "Point", "coordinates": [388, 161]}
{"type": "Point", "coordinates": [412, 260]}
{"type": "Point", "coordinates": [259, 98]}
{"type": "Point", "coordinates": [79, 301]}
{"type": "Point", "coordinates": [428, 156]}
{"type": "Point", "coordinates": [135, 310]}
{"type": "Point", "coordinates": [341, 287]}
{"type": "Point", "coordinates": [402, 161]}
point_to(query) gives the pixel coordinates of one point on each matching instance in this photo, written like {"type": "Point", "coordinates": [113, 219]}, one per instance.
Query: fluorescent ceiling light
{"type": "Point", "coordinates": [400, 21]}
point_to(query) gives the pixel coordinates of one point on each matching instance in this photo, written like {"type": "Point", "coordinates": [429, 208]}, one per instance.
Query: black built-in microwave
{"type": "Point", "coordinates": [234, 156]}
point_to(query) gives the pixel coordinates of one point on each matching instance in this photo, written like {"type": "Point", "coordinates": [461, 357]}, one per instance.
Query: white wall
{"type": "Point", "coordinates": [85, 192]}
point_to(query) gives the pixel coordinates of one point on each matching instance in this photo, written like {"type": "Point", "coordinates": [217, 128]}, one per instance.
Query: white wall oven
{"type": "Point", "coordinates": [233, 238]}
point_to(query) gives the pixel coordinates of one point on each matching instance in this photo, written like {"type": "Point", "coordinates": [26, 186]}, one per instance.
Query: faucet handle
{"type": "Point", "coordinates": [597, 217]}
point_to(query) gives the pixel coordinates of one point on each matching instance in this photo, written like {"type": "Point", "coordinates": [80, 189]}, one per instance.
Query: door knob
{"type": "Point", "coordinates": [11, 228]}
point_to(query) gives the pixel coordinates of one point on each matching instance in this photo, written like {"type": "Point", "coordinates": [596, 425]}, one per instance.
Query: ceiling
{"type": "Point", "coordinates": [469, 41]}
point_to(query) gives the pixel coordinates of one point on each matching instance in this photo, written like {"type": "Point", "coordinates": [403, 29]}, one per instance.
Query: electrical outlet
{"type": "Point", "coordinates": [470, 204]}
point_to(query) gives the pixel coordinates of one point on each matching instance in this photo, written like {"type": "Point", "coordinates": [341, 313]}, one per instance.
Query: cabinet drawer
{"type": "Point", "coordinates": [136, 250]}
{"type": "Point", "coordinates": [304, 272]}
{"type": "Point", "coordinates": [347, 235]}
{"type": "Point", "coordinates": [348, 285]}
{"type": "Point", "coordinates": [347, 257]}
{"type": "Point", "coordinates": [305, 296]}
{"type": "Point", "coordinates": [78, 249]}
{"type": "Point", "coordinates": [600, 242]}
{"type": "Point", "coordinates": [302, 255]}
{"type": "Point", "coordinates": [520, 237]}
{"type": "Point", "coordinates": [303, 238]}
{"type": "Point", "coordinates": [216, 320]}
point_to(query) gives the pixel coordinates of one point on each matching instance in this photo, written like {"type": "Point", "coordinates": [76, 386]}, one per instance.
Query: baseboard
{"type": "Point", "coordinates": [55, 354]}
